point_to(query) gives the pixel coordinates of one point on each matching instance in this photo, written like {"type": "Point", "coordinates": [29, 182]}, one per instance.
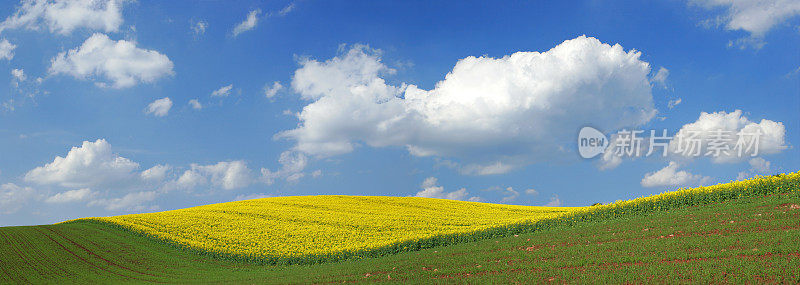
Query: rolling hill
{"type": "Point", "coordinates": [309, 229]}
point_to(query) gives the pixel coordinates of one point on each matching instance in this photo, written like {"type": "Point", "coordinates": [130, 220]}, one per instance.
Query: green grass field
{"type": "Point", "coordinates": [755, 240]}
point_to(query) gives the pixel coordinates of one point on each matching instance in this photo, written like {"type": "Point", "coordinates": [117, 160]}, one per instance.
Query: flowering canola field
{"type": "Point", "coordinates": [324, 227]}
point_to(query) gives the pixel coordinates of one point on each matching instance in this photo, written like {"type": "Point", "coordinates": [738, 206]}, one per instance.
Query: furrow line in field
{"type": "Point", "coordinates": [96, 255]}
{"type": "Point", "coordinates": [85, 260]}
{"type": "Point", "coordinates": [7, 240]}
{"type": "Point", "coordinates": [17, 246]}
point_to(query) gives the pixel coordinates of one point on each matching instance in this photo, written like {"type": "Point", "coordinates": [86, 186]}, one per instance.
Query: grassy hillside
{"type": "Point", "coordinates": [748, 239]}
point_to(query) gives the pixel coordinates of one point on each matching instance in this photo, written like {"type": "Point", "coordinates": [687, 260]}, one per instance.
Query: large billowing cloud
{"type": "Point", "coordinates": [756, 17]}
{"type": "Point", "coordinates": [492, 114]}
{"type": "Point", "coordinates": [64, 16]}
{"type": "Point", "coordinates": [117, 64]}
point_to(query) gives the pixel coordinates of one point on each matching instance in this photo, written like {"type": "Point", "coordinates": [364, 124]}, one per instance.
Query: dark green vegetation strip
{"type": "Point", "coordinates": [769, 185]}
{"type": "Point", "coordinates": [755, 240]}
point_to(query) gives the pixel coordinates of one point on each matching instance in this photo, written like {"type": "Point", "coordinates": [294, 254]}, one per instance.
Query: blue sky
{"type": "Point", "coordinates": [378, 98]}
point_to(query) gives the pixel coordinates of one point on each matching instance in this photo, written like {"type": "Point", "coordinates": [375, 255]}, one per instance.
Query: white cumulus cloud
{"type": "Point", "coordinates": [757, 166]}
{"type": "Point", "coordinates": [756, 17]}
{"type": "Point", "coordinates": [292, 166]}
{"type": "Point", "coordinates": [195, 104]}
{"type": "Point", "coordinates": [431, 190]}
{"type": "Point", "coordinates": [131, 201]}
{"type": "Point", "coordinates": [492, 113]}
{"type": "Point", "coordinates": [718, 136]}
{"type": "Point", "coordinates": [724, 128]}
{"type": "Point", "coordinates": [13, 197]}
{"type": "Point", "coordinates": [91, 164]}
{"type": "Point", "coordinates": [120, 63]}
{"type": "Point", "coordinates": [6, 49]}
{"type": "Point", "coordinates": [159, 107]}
{"type": "Point", "coordinates": [509, 195]}
{"type": "Point", "coordinates": [65, 16]}
{"type": "Point", "coordinates": [156, 173]}
{"type": "Point", "coordinates": [672, 176]}
{"type": "Point", "coordinates": [227, 175]}
{"type": "Point", "coordinates": [554, 202]}
{"type": "Point", "coordinates": [190, 179]}
{"type": "Point", "coordinates": [94, 174]}
{"type": "Point", "coordinates": [71, 196]}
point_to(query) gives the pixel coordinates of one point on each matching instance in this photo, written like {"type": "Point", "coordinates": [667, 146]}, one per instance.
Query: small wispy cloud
{"type": "Point", "coordinates": [286, 9]}
{"type": "Point", "coordinates": [271, 90]}
{"type": "Point", "coordinates": [223, 91]}
{"type": "Point", "coordinates": [672, 103]}
{"type": "Point", "coordinates": [199, 27]}
{"type": "Point", "coordinates": [248, 24]}
{"type": "Point", "coordinates": [254, 16]}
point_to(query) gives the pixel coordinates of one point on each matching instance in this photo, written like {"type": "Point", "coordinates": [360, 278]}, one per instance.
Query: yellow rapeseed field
{"type": "Point", "coordinates": [324, 225]}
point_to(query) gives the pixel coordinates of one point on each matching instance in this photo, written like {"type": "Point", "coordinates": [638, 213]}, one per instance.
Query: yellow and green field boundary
{"type": "Point", "coordinates": [544, 219]}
